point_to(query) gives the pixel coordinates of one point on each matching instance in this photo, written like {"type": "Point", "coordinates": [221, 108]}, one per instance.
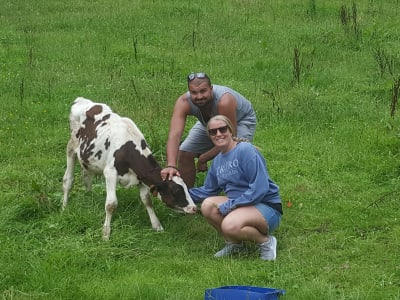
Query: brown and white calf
{"type": "Point", "coordinates": [105, 143]}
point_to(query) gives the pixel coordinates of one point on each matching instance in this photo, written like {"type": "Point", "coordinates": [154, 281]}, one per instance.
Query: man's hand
{"type": "Point", "coordinates": [169, 172]}
{"type": "Point", "coordinates": [201, 165]}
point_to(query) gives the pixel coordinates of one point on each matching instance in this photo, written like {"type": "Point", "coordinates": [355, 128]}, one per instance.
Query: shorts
{"type": "Point", "coordinates": [198, 141]}
{"type": "Point", "coordinates": [272, 216]}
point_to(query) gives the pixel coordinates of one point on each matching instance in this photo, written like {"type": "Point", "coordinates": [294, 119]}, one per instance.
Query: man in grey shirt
{"type": "Point", "coordinates": [203, 100]}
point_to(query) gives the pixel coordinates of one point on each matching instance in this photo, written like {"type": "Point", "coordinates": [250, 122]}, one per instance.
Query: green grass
{"type": "Point", "coordinates": [329, 140]}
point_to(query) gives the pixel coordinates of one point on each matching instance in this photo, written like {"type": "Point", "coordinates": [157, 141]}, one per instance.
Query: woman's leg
{"type": "Point", "coordinates": [250, 224]}
{"type": "Point", "coordinates": [209, 209]}
{"type": "Point", "coordinates": [245, 224]}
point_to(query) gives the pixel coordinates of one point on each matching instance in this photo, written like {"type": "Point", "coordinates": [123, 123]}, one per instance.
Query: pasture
{"type": "Point", "coordinates": [324, 78]}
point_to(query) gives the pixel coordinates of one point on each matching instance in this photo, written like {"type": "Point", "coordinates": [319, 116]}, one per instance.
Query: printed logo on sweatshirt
{"type": "Point", "coordinates": [228, 168]}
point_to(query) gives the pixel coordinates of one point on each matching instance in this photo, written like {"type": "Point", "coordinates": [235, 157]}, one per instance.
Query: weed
{"type": "Point", "coordinates": [22, 91]}
{"type": "Point", "coordinates": [350, 20]}
{"type": "Point", "coordinates": [296, 66]}
{"type": "Point", "coordinates": [312, 10]}
{"type": "Point", "coordinates": [395, 96]}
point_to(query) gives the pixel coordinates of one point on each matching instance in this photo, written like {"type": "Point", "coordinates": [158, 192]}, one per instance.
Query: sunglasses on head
{"type": "Point", "coordinates": [214, 131]}
{"type": "Point", "coordinates": [192, 76]}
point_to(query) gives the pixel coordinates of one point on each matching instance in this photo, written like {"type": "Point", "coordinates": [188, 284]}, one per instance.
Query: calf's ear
{"type": "Point", "coordinates": [153, 190]}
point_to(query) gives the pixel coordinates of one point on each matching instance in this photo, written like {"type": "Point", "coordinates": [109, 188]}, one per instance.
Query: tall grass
{"type": "Point", "coordinates": [322, 78]}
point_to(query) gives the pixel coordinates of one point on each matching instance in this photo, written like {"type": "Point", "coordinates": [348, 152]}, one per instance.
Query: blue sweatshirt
{"type": "Point", "coordinates": [242, 175]}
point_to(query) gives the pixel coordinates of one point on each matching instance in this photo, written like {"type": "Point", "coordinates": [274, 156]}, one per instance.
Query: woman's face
{"type": "Point", "coordinates": [219, 133]}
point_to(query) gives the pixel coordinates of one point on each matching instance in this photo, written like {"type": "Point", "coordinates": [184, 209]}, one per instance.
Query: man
{"type": "Point", "coordinates": [203, 100]}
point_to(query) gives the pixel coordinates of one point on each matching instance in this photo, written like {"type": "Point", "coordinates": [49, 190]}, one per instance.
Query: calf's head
{"type": "Point", "coordinates": [175, 195]}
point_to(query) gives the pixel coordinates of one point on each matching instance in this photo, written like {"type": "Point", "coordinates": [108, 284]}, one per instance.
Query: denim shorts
{"type": "Point", "coordinates": [272, 216]}
{"type": "Point", "coordinates": [198, 141]}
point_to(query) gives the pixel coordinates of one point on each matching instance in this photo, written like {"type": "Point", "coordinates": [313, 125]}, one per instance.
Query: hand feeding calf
{"type": "Point", "coordinates": [106, 143]}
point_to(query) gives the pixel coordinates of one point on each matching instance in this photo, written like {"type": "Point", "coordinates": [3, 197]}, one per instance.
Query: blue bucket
{"type": "Point", "coordinates": [236, 292]}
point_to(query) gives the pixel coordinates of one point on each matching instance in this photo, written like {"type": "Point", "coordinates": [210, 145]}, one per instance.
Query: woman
{"type": "Point", "coordinates": [250, 208]}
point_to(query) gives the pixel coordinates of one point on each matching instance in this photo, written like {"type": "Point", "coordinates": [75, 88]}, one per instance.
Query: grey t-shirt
{"type": "Point", "coordinates": [244, 111]}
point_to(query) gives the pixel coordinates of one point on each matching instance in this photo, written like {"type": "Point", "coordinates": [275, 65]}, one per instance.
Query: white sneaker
{"type": "Point", "coordinates": [230, 249]}
{"type": "Point", "coordinates": [268, 249]}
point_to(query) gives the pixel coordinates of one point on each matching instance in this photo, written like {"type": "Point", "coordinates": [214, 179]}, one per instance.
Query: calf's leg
{"type": "Point", "coordinates": [87, 179]}
{"type": "Point", "coordinates": [110, 175]}
{"type": "Point", "coordinates": [146, 199]}
{"type": "Point", "coordinates": [68, 178]}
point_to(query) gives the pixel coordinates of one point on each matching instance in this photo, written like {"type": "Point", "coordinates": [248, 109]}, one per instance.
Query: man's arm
{"type": "Point", "coordinates": [204, 158]}
{"type": "Point", "coordinates": [227, 106]}
{"type": "Point", "coordinates": [177, 125]}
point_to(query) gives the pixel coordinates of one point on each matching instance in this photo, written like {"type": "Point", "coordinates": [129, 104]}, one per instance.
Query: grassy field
{"type": "Point", "coordinates": [322, 76]}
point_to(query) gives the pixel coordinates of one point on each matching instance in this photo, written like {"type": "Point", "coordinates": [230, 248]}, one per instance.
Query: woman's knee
{"type": "Point", "coordinates": [206, 207]}
{"type": "Point", "coordinates": [229, 226]}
